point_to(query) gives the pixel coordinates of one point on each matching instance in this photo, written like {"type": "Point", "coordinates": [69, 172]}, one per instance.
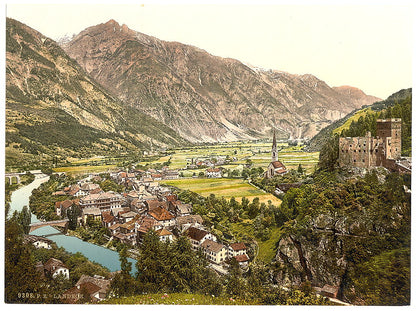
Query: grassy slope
{"type": "Point", "coordinates": [178, 299]}
{"type": "Point", "coordinates": [355, 117]}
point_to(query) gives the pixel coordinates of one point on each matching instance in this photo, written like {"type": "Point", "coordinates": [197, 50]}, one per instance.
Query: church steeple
{"type": "Point", "coordinates": [275, 155]}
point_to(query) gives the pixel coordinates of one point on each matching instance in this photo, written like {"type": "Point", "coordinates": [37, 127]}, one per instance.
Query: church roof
{"type": "Point", "coordinates": [278, 164]}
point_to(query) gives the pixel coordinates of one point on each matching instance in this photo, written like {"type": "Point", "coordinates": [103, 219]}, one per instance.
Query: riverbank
{"type": "Point", "coordinates": [131, 251]}
{"type": "Point", "coordinates": [72, 244]}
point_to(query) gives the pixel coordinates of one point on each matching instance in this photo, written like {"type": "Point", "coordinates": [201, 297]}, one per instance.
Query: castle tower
{"type": "Point", "coordinates": [275, 153]}
{"type": "Point", "coordinates": [390, 131]}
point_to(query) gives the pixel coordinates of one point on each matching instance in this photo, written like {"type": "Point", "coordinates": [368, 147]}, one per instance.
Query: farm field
{"type": "Point", "coordinates": [258, 153]}
{"type": "Point", "coordinates": [223, 187]}
{"type": "Point", "coordinates": [82, 169]}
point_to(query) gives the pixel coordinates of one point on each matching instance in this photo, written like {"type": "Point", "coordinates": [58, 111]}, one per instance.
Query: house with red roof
{"type": "Point", "coordinates": [163, 216]}
{"type": "Point", "coordinates": [213, 172]}
{"type": "Point", "coordinates": [237, 249]}
{"type": "Point", "coordinates": [197, 236]}
{"type": "Point", "coordinates": [55, 267]}
{"type": "Point", "coordinates": [165, 235]}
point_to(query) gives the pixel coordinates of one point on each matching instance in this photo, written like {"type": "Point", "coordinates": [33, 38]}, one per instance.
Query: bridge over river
{"type": "Point", "coordinates": [59, 223]}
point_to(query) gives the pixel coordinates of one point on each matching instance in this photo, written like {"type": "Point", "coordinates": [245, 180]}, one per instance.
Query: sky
{"type": "Point", "coordinates": [366, 44]}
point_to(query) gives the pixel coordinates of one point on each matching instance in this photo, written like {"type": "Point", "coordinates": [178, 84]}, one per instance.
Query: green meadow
{"type": "Point", "coordinates": [223, 187]}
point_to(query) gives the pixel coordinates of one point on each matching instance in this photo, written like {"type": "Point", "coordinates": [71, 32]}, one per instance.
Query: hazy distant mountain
{"type": "Point", "coordinates": [53, 107]}
{"type": "Point", "coordinates": [204, 97]}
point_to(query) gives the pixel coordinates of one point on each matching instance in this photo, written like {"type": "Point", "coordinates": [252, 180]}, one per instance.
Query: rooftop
{"type": "Point", "coordinates": [238, 246]}
{"type": "Point", "coordinates": [196, 234]}
{"type": "Point", "coordinates": [161, 214]}
{"type": "Point", "coordinates": [212, 246]}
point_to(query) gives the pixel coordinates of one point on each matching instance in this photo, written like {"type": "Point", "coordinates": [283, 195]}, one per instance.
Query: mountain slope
{"type": "Point", "coordinates": [53, 107]}
{"type": "Point", "coordinates": [204, 97]}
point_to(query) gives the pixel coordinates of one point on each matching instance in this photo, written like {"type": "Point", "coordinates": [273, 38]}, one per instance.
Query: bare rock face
{"type": "Point", "coordinates": [321, 262]}
{"type": "Point", "coordinates": [204, 97]}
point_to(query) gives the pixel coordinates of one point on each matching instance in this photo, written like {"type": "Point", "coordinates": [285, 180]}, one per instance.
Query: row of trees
{"type": "Point", "coordinates": [165, 267]}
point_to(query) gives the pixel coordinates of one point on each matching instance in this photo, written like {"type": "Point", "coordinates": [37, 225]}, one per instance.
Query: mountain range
{"type": "Point", "coordinates": [206, 98]}
{"type": "Point", "coordinates": [111, 88]}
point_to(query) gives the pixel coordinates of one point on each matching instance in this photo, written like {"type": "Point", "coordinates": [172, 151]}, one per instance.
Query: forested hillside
{"type": "Point", "coordinates": [55, 110]}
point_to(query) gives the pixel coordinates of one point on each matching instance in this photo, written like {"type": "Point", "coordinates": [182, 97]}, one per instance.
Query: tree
{"type": "Point", "coordinates": [328, 157]}
{"type": "Point", "coordinates": [234, 173]}
{"type": "Point", "coordinates": [151, 263]}
{"type": "Point", "coordinates": [123, 283]}
{"type": "Point", "coordinates": [20, 273]}
{"type": "Point", "coordinates": [235, 283]}
{"type": "Point", "coordinates": [25, 219]}
{"type": "Point", "coordinates": [72, 214]}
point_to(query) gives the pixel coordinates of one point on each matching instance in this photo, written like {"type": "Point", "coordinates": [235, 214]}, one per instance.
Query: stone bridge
{"type": "Point", "coordinates": [10, 176]}
{"type": "Point", "coordinates": [59, 223]}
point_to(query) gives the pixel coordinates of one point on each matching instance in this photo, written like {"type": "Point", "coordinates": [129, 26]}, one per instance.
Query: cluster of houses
{"type": "Point", "coordinates": [195, 163]}
{"type": "Point", "coordinates": [216, 252]}
{"type": "Point", "coordinates": [96, 287]}
{"type": "Point", "coordinates": [129, 216]}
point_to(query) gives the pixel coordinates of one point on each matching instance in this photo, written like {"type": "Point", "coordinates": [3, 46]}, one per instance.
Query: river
{"type": "Point", "coordinates": [101, 255]}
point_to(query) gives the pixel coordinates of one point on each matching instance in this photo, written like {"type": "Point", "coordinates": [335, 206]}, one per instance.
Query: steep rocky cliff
{"type": "Point", "coordinates": [204, 97]}
{"type": "Point", "coordinates": [54, 107]}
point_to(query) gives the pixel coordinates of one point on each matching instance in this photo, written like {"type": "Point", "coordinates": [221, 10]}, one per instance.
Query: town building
{"type": "Point", "coordinates": [197, 236]}
{"type": "Point", "coordinates": [242, 260]}
{"type": "Point", "coordinates": [163, 216]}
{"type": "Point", "coordinates": [170, 174]}
{"type": "Point", "coordinates": [107, 219]}
{"type": "Point", "coordinates": [97, 287]}
{"type": "Point", "coordinates": [213, 172]}
{"type": "Point", "coordinates": [55, 267]}
{"type": "Point", "coordinates": [61, 207]}
{"type": "Point", "coordinates": [236, 249]}
{"type": "Point", "coordinates": [185, 222]}
{"type": "Point", "coordinates": [92, 213]}
{"type": "Point", "coordinates": [38, 241]}
{"type": "Point", "coordinates": [105, 201]}
{"type": "Point", "coordinates": [165, 235]}
{"type": "Point", "coordinates": [180, 209]}
{"type": "Point", "coordinates": [215, 252]}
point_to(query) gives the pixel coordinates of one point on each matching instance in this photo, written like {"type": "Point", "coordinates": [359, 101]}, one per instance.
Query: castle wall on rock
{"type": "Point", "coordinates": [368, 151]}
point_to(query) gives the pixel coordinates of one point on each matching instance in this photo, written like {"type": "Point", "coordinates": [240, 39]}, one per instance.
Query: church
{"type": "Point", "coordinates": [275, 167]}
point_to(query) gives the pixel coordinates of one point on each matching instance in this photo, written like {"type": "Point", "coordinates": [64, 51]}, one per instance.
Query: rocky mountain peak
{"type": "Point", "coordinates": [205, 97]}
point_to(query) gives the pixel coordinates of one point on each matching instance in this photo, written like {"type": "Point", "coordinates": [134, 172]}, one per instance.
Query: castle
{"type": "Point", "coordinates": [369, 152]}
